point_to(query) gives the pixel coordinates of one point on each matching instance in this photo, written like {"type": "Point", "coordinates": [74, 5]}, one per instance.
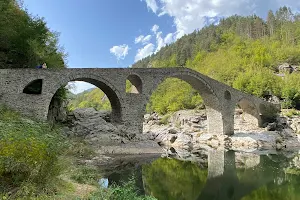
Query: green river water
{"type": "Point", "coordinates": [219, 175]}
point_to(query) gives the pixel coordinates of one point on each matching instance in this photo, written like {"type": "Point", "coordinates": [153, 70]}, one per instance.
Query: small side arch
{"type": "Point", "coordinates": [136, 84]}
{"type": "Point", "coordinates": [227, 95]}
{"type": "Point", "coordinates": [34, 87]}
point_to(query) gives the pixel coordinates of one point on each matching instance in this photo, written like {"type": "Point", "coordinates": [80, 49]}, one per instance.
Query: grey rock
{"type": "Point", "coordinates": [295, 125]}
{"type": "Point", "coordinates": [271, 126]}
{"type": "Point", "coordinates": [195, 119]}
{"type": "Point", "coordinates": [285, 67]}
{"type": "Point", "coordinates": [172, 131]}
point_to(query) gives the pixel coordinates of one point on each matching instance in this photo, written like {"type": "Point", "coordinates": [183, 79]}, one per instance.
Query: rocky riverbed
{"type": "Point", "coordinates": [184, 131]}
{"type": "Point", "coordinates": [187, 130]}
{"type": "Point", "coordinates": [95, 129]}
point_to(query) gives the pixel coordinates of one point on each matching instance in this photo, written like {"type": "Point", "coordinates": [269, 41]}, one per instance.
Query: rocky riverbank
{"type": "Point", "coordinates": [184, 131]}
{"type": "Point", "coordinates": [187, 130]}
{"type": "Point", "coordinates": [95, 129]}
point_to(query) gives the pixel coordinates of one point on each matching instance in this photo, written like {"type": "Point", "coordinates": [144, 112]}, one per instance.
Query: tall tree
{"type": "Point", "coordinates": [26, 41]}
{"type": "Point", "coordinates": [271, 21]}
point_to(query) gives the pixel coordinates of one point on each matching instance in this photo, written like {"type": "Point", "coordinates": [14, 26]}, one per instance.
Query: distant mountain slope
{"type": "Point", "coordinates": [93, 97]}
{"type": "Point", "coordinates": [243, 52]}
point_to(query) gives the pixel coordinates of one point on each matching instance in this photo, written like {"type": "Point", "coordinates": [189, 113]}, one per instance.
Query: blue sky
{"type": "Point", "coordinates": [89, 29]}
{"type": "Point", "coordinates": [116, 33]}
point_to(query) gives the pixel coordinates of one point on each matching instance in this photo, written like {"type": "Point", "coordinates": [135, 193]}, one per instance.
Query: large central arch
{"type": "Point", "coordinates": [210, 99]}
{"type": "Point", "coordinates": [111, 92]}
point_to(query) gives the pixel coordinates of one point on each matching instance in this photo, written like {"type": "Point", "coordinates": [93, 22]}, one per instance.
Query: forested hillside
{"type": "Point", "coordinates": [25, 40]}
{"type": "Point", "coordinates": [94, 98]}
{"type": "Point", "coordinates": [243, 52]}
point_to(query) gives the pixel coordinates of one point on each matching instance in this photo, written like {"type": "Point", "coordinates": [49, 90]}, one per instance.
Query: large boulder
{"type": "Point", "coordinates": [295, 125]}
{"type": "Point", "coordinates": [83, 114]}
{"type": "Point", "coordinates": [285, 68]}
{"type": "Point", "coordinates": [183, 140]}
{"type": "Point", "coordinates": [246, 160]}
{"type": "Point", "coordinates": [94, 128]}
{"type": "Point", "coordinates": [296, 68]}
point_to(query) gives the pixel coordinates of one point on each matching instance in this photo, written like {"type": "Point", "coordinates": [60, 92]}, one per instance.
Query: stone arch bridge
{"type": "Point", "coordinates": [128, 108]}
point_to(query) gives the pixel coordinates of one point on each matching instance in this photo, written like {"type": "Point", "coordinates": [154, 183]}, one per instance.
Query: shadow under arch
{"type": "Point", "coordinates": [210, 99]}
{"type": "Point", "coordinates": [112, 94]}
{"type": "Point", "coordinates": [252, 113]}
{"type": "Point", "coordinates": [34, 87]}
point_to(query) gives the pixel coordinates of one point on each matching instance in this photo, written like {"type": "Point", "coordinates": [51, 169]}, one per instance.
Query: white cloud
{"type": "Point", "coordinates": [169, 38]}
{"type": "Point", "coordinates": [120, 51]}
{"type": "Point", "coordinates": [143, 39]}
{"type": "Point", "coordinates": [155, 28]}
{"type": "Point", "coordinates": [189, 15]}
{"type": "Point", "coordinates": [161, 42]}
{"type": "Point", "coordinates": [152, 5]}
{"type": "Point", "coordinates": [144, 52]}
{"type": "Point", "coordinates": [139, 39]}
{"type": "Point", "coordinates": [147, 39]}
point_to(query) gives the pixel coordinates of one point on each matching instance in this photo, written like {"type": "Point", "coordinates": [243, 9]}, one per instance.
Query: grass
{"type": "Point", "coordinates": [292, 112]}
{"type": "Point", "coordinates": [38, 163]}
{"type": "Point", "coordinates": [165, 119]}
{"type": "Point", "coordinates": [127, 191]}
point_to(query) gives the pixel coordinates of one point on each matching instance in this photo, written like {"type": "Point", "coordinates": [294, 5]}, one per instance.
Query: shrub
{"type": "Point", "coordinates": [86, 175]}
{"type": "Point", "coordinates": [259, 82]}
{"type": "Point", "coordinates": [292, 112]}
{"type": "Point", "coordinates": [127, 191]}
{"type": "Point", "coordinates": [29, 154]}
{"type": "Point", "coordinates": [165, 119]}
{"type": "Point", "coordinates": [291, 91]}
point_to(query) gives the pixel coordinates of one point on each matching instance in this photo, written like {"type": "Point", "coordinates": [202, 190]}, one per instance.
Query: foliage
{"type": "Point", "coordinates": [92, 98]}
{"type": "Point", "coordinates": [86, 175]}
{"type": "Point", "coordinates": [292, 112]}
{"type": "Point", "coordinates": [165, 119]}
{"type": "Point", "coordinates": [173, 179]}
{"type": "Point", "coordinates": [243, 52]}
{"type": "Point", "coordinates": [291, 90]}
{"type": "Point", "coordinates": [260, 82]}
{"type": "Point", "coordinates": [29, 155]}
{"type": "Point", "coordinates": [32, 156]}
{"type": "Point", "coordinates": [127, 191]}
{"type": "Point", "coordinates": [80, 149]}
{"type": "Point", "coordinates": [287, 191]}
{"type": "Point", "coordinates": [172, 95]}
{"type": "Point", "coordinates": [25, 40]}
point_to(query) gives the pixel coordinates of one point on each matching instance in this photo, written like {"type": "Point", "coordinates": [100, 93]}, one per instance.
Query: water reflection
{"type": "Point", "coordinates": [227, 176]}
{"type": "Point", "coordinates": [103, 182]}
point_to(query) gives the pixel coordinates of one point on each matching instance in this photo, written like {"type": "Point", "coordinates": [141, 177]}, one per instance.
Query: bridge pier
{"type": "Point", "coordinates": [220, 162]}
{"type": "Point", "coordinates": [216, 163]}
{"type": "Point", "coordinates": [133, 113]}
{"type": "Point", "coordinates": [228, 118]}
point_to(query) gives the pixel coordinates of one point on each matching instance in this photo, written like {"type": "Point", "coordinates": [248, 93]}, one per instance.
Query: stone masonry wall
{"type": "Point", "coordinates": [128, 108]}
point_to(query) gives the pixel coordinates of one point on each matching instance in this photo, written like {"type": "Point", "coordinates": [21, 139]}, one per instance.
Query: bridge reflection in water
{"type": "Point", "coordinates": [223, 183]}
{"type": "Point", "coordinates": [224, 177]}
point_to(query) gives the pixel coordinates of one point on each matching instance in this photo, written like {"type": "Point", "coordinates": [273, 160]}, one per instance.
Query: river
{"type": "Point", "coordinates": [217, 175]}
